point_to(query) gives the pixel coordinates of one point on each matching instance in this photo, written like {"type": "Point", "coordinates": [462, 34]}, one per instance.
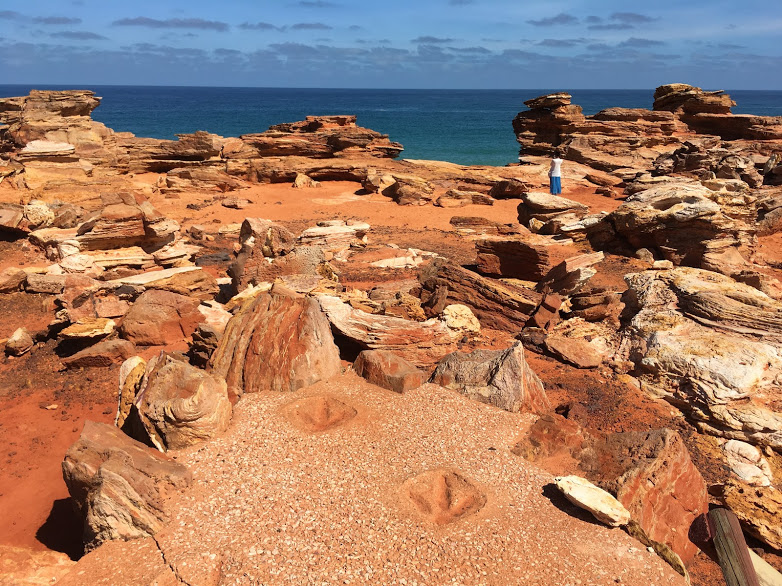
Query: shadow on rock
{"type": "Point", "coordinates": [62, 530]}
{"type": "Point", "coordinates": [551, 492]}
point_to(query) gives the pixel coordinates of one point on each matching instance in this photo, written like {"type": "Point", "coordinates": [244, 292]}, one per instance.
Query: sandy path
{"type": "Point", "coordinates": [273, 504]}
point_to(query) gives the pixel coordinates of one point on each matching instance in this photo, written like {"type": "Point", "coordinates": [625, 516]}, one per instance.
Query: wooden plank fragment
{"type": "Point", "coordinates": [732, 551]}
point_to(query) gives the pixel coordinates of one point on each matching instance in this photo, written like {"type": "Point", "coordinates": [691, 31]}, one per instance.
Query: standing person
{"type": "Point", "coordinates": [555, 174]}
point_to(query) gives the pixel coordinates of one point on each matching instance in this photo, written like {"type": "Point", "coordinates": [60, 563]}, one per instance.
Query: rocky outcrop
{"type": "Point", "coordinates": [680, 97]}
{"type": "Point", "coordinates": [652, 475]}
{"type": "Point", "coordinates": [710, 346]}
{"type": "Point", "coordinates": [321, 137]}
{"type": "Point", "coordinates": [180, 405]}
{"type": "Point", "coordinates": [498, 377]}
{"type": "Point", "coordinates": [421, 343]}
{"type": "Point", "coordinates": [708, 112]}
{"type": "Point", "coordinates": [544, 125]}
{"type": "Point", "coordinates": [496, 304]}
{"type": "Point", "coordinates": [706, 157]}
{"type": "Point", "coordinates": [633, 138]}
{"type": "Point", "coordinates": [525, 257]}
{"type": "Point", "coordinates": [145, 155]}
{"type": "Point", "coordinates": [53, 117]}
{"type": "Point", "coordinates": [545, 213]}
{"type": "Point", "coordinates": [119, 485]}
{"type": "Point", "coordinates": [682, 223]}
{"type": "Point", "coordinates": [277, 341]}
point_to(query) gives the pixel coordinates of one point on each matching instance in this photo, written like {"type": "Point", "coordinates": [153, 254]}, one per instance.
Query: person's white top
{"type": "Point", "coordinates": [556, 168]}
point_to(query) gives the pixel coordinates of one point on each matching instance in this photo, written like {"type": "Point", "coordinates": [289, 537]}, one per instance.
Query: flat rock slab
{"type": "Point", "coordinates": [89, 328]}
{"type": "Point", "coordinates": [422, 343]}
{"type": "Point", "coordinates": [103, 354]}
{"type": "Point", "coordinates": [274, 504]}
{"type": "Point", "coordinates": [525, 257]}
{"type": "Point", "coordinates": [600, 503]}
{"type": "Point", "coordinates": [151, 277]}
{"type": "Point", "coordinates": [575, 351]}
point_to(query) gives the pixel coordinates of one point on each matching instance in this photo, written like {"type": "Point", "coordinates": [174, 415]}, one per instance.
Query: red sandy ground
{"type": "Point", "coordinates": [42, 408]}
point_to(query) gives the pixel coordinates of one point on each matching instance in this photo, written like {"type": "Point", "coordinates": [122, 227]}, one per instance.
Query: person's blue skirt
{"type": "Point", "coordinates": [556, 185]}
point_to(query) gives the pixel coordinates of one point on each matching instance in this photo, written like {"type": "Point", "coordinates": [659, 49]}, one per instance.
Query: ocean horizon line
{"type": "Point", "coordinates": [371, 89]}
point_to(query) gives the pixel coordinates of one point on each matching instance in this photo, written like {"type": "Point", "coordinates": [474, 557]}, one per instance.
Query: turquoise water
{"type": "Point", "coordinates": [462, 126]}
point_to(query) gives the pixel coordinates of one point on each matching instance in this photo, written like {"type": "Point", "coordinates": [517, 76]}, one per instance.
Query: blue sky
{"type": "Point", "coordinates": [472, 44]}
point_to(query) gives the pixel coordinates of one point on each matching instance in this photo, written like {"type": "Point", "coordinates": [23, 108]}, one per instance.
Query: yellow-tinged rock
{"type": "Point", "coordinates": [589, 497]}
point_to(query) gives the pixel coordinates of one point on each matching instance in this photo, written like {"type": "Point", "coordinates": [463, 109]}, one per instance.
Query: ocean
{"type": "Point", "coordinates": [470, 127]}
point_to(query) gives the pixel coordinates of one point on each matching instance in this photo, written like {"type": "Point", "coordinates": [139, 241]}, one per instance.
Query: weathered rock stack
{"type": "Point", "coordinates": [633, 138]}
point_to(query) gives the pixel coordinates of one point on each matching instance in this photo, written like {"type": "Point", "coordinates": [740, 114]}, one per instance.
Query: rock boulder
{"type": "Point", "coordinates": [119, 485]}
{"type": "Point", "coordinates": [278, 341]}
{"type": "Point", "coordinates": [180, 405]}
{"type": "Point", "coordinates": [498, 377]}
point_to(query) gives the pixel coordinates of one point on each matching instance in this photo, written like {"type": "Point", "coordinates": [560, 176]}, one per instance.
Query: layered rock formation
{"type": "Point", "coordinates": [617, 139]}
{"type": "Point", "coordinates": [711, 346]}
{"type": "Point", "coordinates": [277, 341]}
{"type": "Point", "coordinates": [119, 485]}
{"type": "Point", "coordinates": [322, 137]}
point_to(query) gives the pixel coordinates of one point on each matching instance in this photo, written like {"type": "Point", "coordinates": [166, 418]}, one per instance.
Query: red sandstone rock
{"type": "Point", "coordinates": [528, 258]}
{"type": "Point", "coordinates": [653, 477]}
{"type": "Point", "coordinates": [119, 485]}
{"type": "Point", "coordinates": [422, 343]}
{"type": "Point", "coordinates": [679, 221]}
{"type": "Point", "coordinates": [158, 318]}
{"type": "Point", "coordinates": [575, 351]}
{"type": "Point", "coordinates": [496, 304]}
{"type": "Point", "coordinates": [595, 305]}
{"type": "Point", "coordinates": [322, 137]}
{"type": "Point", "coordinates": [277, 341]}
{"type": "Point", "coordinates": [386, 369]}
{"type": "Point", "coordinates": [11, 279]}
{"type": "Point", "coordinates": [680, 97]}
{"type": "Point", "coordinates": [104, 353]}
{"type": "Point", "coordinates": [569, 276]}
{"type": "Point", "coordinates": [546, 316]}
{"type": "Point", "coordinates": [478, 225]}
{"type": "Point", "coordinates": [455, 198]}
